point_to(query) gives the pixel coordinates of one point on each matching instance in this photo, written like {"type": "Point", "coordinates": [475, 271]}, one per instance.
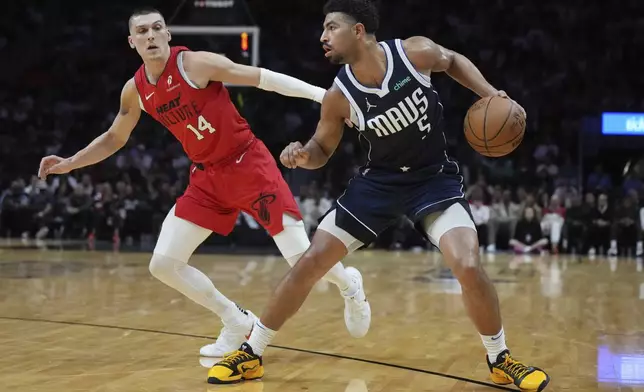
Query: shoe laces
{"type": "Point", "coordinates": [514, 368]}
{"type": "Point", "coordinates": [235, 358]}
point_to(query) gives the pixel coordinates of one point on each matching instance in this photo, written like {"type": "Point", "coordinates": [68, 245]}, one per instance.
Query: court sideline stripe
{"type": "Point", "coordinates": [338, 356]}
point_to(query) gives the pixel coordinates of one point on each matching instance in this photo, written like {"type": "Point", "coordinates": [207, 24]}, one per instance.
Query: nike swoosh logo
{"type": "Point", "coordinates": [240, 158]}
{"type": "Point", "coordinates": [496, 338]}
{"type": "Point", "coordinates": [251, 332]}
{"type": "Point", "coordinates": [246, 369]}
{"type": "Point", "coordinates": [148, 96]}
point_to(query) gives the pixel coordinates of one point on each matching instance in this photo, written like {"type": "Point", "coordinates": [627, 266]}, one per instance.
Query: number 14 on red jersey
{"type": "Point", "coordinates": [203, 126]}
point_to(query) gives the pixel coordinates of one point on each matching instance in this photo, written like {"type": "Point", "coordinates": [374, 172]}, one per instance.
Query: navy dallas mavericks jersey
{"type": "Point", "coordinates": [408, 172]}
{"type": "Point", "coordinates": [401, 121]}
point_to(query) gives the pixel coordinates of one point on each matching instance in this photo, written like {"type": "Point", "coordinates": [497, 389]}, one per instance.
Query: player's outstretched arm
{"type": "Point", "coordinates": [206, 66]}
{"type": "Point", "coordinates": [316, 153]}
{"type": "Point", "coordinates": [428, 56]}
{"type": "Point", "coordinates": [106, 144]}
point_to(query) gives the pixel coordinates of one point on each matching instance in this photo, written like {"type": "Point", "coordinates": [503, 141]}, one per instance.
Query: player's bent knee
{"type": "Point", "coordinates": [310, 268]}
{"type": "Point", "coordinates": [293, 240]}
{"type": "Point", "coordinates": [325, 251]}
{"type": "Point", "coordinates": [162, 267]}
{"type": "Point", "coordinates": [179, 238]}
{"type": "Point", "coordinates": [468, 271]}
{"type": "Point", "coordinates": [460, 248]}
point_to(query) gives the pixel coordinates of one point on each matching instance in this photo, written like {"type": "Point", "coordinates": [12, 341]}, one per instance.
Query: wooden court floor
{"type": "Point", "coordinates": [97, 321]}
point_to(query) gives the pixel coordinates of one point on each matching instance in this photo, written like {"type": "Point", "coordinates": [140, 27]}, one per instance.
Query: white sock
{"type": "Point", "coordinates": [494, 345]}
{"type": "Point", "coordinates": [336, 275]}
{"type": "Point", "coordinates": [195, 285]}
{"type": "Point", "coordinates": [613, 244]}
{"type": "Point", "coordinates": [260, 338]}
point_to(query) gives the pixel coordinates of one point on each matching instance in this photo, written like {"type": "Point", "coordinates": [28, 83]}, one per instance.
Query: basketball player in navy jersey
{"type": "Point", "coordinates": [386, 90]}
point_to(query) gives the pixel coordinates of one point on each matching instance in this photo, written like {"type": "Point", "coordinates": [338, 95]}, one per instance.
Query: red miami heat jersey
{"type": "Point", "coordinates": [205, 121]}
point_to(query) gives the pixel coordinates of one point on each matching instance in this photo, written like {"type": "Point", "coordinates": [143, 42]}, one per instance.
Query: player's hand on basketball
{"type": "Point", "coordinates": [53, 164]}
{"type": "Point", "coordinates": [503, 94]}
{"type": "Point", "coordinates": [294, 155]}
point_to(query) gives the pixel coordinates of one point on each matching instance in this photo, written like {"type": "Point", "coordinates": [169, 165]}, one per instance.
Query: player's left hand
{"type": "Point", "coordinates": [294, 155]}
{"type": "Point", "coordinates": [54, 165]}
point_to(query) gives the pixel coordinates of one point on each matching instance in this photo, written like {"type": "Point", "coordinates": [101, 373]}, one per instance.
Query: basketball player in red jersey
{"type": "Point", "coordinates": [233, 171]}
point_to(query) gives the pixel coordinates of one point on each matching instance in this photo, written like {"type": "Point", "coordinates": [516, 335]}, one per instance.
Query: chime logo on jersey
{"type": "Point", "coordinates": [409, 111]}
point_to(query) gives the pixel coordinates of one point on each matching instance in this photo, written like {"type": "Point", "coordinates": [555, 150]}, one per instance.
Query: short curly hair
{"type": "Point", "coordinates": [362, 11]}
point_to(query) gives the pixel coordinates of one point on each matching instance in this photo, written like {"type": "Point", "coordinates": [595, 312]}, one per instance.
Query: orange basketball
{"type": "Point", "coordinates": [494, 126]}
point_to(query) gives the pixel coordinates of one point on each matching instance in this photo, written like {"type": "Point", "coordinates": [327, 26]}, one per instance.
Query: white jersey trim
{"type": "Point", "coordinates": [183, 73]}
{"type": "Point", "coordinates": [384, 89]}
{"type": "Point", "coordinates": [422, 79]}
{"type": "Point", "coordinates": [361, 123]}
{"type": "Point", "coordinates": [140, 102]}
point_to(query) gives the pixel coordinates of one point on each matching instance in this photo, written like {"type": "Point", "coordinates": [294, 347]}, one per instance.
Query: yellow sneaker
{"type": "Point", "coordinates": [240, 365]}
{"type": "Point", "coordinates": [507, 370]}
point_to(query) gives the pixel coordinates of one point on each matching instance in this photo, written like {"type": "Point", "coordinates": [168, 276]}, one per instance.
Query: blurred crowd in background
{"type": "Point", "coordinates": [61, 89]}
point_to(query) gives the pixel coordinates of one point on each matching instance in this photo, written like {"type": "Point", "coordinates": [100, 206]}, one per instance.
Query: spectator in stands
{"type": "Point", "coordinates": [77, 220]}
{"type": "Point", "coordinates": [313, 206]}
{"type": "Point", "coordinates": [106, 218]}
{"type": "Point", "coordinates": [131, 214]}
{"type": "Point", "coordinates": [601, 233]}
{"type": "Point", "coordinates": [530, 201]}
{"type": "Point", "coordinates": [503, 217]}
{"type": "Point", "coordinates": [481, 215]}
{"type": "Point", "coordinates": [627, 233]}
{"type": "Point", "coordinates": [552, 222]}
{"type": "Point", "coordinates": [40, 206]}
{"type": "Point", "coordinates": [15, 208]}
{"type": "Point", "coordinates": [528, 237]}
{"type": "Point", "coordinates": [87, 185]}
{"type": "Point", "coordinates": [58, 212]}
{"type": "Point", "coordinates": [576, 226]}
{"type": "Point", "coordinates": [482, 186]}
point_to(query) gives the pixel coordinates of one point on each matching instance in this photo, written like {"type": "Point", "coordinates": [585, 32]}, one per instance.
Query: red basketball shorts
{"type": "Point", "coordinates": [250, 182]}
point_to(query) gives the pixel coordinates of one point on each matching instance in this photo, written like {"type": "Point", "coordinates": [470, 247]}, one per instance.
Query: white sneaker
{"type": "Point", "coordinates": [230, 338]}
{"type": "Point", "coordinates": [357, 311]}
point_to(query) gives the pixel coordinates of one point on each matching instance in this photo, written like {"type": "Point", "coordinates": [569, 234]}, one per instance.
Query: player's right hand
{"type": "Point", "coordinates": [53, 164]}
{"type": "Point", "coordinates": [294, 155]}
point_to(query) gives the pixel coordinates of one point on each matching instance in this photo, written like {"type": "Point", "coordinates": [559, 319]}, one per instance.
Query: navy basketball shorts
{"type": "Point", "coordinates": [375, 199]}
